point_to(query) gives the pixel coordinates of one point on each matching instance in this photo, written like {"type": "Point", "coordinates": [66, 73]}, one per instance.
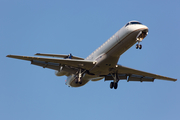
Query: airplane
{"type": "Point", "coordinates": [102, 63]}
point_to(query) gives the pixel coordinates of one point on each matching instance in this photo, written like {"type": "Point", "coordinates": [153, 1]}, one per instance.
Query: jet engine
{"type": "Point", "coordinates": [65, 70]}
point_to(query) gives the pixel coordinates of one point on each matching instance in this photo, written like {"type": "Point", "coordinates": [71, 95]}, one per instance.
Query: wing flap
{"type": "Point", "coordinates": [54, 66]}
{"type": "Point", "coordinates": [140, 75]}
{"type": "Point", "coordinates": [120, 76]}
{"type": "Point", "coordinates": [140, 78]}
{"type": "Point", "coordinates": [84, 64]}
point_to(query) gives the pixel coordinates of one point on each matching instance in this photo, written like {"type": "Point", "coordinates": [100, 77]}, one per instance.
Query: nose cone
{"type": "Point", "coordinates": [144, 28]}
{"type": "Point", "coordinates": [138, 27]}
{"type": "Point", "coordinates": [143, 32]}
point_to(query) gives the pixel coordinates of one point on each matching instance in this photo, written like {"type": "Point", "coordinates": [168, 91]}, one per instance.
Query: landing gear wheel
{"type": "Point", "coordinates": [111, 85]}
{"type": "Point", "coordinates": [76, 80]}
{"type": "Point", "coordinates": [137, 46]}
{"type": "Point", "coordinates": [140, 46]}
{"type": "Point", "coordinates": [80, 80]}
{"type": "Point", "coordinates": [115, 85]}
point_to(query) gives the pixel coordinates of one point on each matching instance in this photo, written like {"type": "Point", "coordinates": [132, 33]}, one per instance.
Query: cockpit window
{"type": "Point", "coordinates": [127, 24]}
{"type": "Point", "coordinates": [130, 23]}
{"type": "Point", "coordinates": [135, 23]}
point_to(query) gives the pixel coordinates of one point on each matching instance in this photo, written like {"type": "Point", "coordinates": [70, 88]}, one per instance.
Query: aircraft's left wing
{"type": "Point", "coordinates": [137, 75]}
{"type": "Point", "coordinates": [54, 62]}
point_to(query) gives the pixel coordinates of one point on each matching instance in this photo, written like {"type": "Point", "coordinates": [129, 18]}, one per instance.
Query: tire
{"type": "Point", "coordinates": [140, 46]}
{"type": "Point", "coordinates": [80, 80]}
{"type": "Point", "coordinates": [137, 46]}
{"type": "Point", "coordinates": [111, 85]}
{"type": "Point", "coordinates": [115, 85]}
{"type": "Point", "coordinates": [76, 80]}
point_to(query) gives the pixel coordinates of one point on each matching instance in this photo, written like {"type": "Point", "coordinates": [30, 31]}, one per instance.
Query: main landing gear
{"type": "Point", "coordinates": [78, 80]}
{"type": "Point", "coordinates": [116, 80]}
{"type": "Point", "coordinates": [78, 77]}
{"type": "Point", "coordinates": [114, 85]}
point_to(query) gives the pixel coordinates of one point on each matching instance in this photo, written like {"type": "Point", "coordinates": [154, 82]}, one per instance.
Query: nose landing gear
{"type": "Point", "coordinates": [138, 46]}
{"type": "Point", "coordinates": [139, 38]}
{"type": "Point", "coordinates": [141, 35]}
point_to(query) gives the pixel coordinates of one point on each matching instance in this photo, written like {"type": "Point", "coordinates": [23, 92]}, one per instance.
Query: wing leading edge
{"type": "Point", "coordinates": [133, 73]}
{"type": "Point", "coordinates": [58, 55]}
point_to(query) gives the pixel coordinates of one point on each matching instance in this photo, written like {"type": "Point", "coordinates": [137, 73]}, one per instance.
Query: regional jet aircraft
{"type": "Point", "coordinates": [102, 63]}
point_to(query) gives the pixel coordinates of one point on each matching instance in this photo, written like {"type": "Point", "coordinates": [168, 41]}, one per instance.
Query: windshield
{"type": "Point", "coordinates": [130, 23]}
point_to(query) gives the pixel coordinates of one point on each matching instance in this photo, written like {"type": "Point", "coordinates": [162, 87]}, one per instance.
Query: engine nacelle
{"type": "Point", "coordinates": [60, 73]}
{"type": "Point", "coordinates": [97, 79]}
{"type": "Point", "coordinates": [64, 70]}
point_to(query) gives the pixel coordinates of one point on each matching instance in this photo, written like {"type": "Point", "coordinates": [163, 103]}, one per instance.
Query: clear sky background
{"type": "Point", "coordinates": [29, 92]}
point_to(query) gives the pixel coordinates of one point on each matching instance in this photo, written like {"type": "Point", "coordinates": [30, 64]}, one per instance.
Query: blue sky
{"type": "Point", "coordinates": [29, 92]}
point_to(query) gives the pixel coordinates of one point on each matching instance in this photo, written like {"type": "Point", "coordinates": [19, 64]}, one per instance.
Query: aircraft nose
{"type": "Point", "coordinates": [143, 32]}
{"type": "Point", "coordinates": [137, 27]}
{"type": "Point", "coordinates": [145, 28]}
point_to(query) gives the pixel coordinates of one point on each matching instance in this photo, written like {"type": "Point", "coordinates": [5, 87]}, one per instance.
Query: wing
{"type": "Point", "coordinates": [137, 75]}
{"type": "Point", "coordinates": [58, 55]}
{"type": "Point", "coordinates": [54, 63]}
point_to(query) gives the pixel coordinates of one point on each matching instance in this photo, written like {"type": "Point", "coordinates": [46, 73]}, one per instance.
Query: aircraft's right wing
{"type": "Point", "coordinates": [58, 55]}
{"type": "Point", "coordinates": [54, 63]}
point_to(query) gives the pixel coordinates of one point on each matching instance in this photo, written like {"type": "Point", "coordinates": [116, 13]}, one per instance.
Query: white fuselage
{"type": "Point", "coordinates": [107, 55]}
